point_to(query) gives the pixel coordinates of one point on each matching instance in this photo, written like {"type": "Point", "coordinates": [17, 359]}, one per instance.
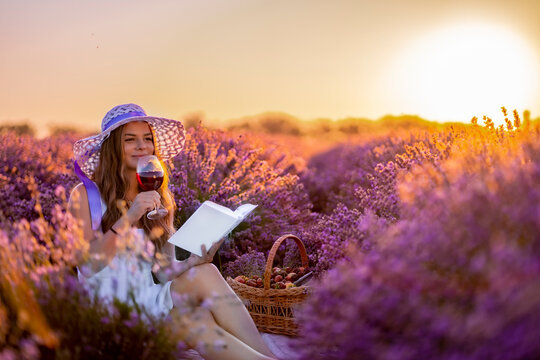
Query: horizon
{"type": "Point", "coordinates": [231, 124]}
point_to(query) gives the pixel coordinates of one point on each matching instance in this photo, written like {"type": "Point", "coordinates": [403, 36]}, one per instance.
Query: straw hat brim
{"type": "Point", "coordinates": [169, 138]}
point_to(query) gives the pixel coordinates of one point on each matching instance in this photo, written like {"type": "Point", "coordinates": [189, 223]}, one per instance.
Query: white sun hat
{"type": "Point", "coordinates": [169, 135]}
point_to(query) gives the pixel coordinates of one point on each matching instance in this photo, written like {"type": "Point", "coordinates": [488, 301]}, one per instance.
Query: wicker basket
{"type": "Point", "coordinates": [272, 309]}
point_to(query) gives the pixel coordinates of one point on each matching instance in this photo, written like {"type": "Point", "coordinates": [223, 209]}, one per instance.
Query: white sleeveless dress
{"type": "Point", "coordinates": [129, 273]}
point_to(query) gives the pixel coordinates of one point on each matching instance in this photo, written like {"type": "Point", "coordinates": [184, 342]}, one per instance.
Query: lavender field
{"type": "Point", "coordinates": [425, 240]}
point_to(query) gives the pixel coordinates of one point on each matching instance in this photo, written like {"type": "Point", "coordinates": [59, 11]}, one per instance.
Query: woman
{"type": "Point", "coordinates": [115, 210]}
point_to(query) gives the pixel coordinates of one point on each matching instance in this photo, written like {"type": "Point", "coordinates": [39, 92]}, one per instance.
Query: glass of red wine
{"type": "Point", "coordinates": [150, 177]}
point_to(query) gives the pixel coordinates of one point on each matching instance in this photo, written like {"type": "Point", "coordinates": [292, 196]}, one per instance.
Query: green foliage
{"type": "Point", "coordinates": [19, 129]}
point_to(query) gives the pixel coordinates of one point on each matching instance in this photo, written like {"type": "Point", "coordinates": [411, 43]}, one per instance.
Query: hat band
{"type": "Point", "coordinates": [94, 199]}
{"type": "Point", "coordinates": [121, 117]}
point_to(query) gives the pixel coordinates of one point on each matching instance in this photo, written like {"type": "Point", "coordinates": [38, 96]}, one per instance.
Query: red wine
{"type": "Point", "coordinates": [150, 180]}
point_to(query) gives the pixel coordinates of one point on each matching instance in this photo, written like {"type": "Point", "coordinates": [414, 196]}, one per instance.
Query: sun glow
{"type": "Point", "coordinates": [463, 71]}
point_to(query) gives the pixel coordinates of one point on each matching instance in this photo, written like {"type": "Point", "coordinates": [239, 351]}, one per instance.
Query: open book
{"type": "Point", "coordinates": [208, 224]}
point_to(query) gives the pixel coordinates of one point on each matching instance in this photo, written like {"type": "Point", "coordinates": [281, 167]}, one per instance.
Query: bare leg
{"type": "Point", "coordinates": [207, 285]}
{"type": "Point", "coordinates": [200, 331]}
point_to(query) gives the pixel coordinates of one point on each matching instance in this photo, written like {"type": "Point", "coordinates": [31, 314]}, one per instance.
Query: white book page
{"type": "Point", "coordinates": [218, 207]}
{"type": "Point", "coordinates": [209, 224]}
{"type": "Point", "coordinates": [243, 210]}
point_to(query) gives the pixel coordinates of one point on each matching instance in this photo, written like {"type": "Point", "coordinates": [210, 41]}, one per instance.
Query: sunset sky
{"type": "Point", "coordinates": [67, 62]}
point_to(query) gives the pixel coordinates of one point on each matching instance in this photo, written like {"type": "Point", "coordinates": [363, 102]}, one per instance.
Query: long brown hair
{"type": "Point", "coordinates": [113, 184]}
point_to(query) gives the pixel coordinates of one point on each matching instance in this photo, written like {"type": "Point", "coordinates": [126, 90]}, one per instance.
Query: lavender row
{"type": "Point", "coordinates": [457, 277]}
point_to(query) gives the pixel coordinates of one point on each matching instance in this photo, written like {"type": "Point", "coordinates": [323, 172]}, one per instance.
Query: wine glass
{"type": "Point", "coordinates": [150, 177]}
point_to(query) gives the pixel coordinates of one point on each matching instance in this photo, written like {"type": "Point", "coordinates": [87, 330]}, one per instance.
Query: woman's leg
{"type": "Point", "coordinates": [200, 332]}
{"type": "Point", "coordinates": [207, 285]}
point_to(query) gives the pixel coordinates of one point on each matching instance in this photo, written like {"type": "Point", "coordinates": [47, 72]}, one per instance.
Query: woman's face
{"type": "Point", "coordinates": [137, 141]}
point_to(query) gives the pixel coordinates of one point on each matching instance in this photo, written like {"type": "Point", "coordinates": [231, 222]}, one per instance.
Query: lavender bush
{"type": "Point", "coordinates": [334, 237]}
{"type": "Point", "coordinates": [330, 176]}
{"type": "Point", "coordinates": [30, 171]}
{"type": "Point", "coordinates": [231, 172]}
{"type": "Point", "coordinates": [89, 329]}
{"type": "Point", "coordinates": [372, 201]}
{"type": "Point", "coordinates": [457, 276]}
{"type": "Point", "coordinates": [369, 171]}
{"type": "Point", "coordinates": [251, 263]}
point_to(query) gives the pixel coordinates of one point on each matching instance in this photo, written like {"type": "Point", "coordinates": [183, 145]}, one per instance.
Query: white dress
{"type": "Point", "coordinates": [130, 273]}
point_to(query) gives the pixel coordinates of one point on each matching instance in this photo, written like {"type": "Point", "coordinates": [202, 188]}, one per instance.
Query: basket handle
{"type": "Point", "coordinates": [272, 254]}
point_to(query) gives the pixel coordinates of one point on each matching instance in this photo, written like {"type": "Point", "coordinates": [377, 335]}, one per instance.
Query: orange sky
{"type": "Point", "coordinates": [67, 62]}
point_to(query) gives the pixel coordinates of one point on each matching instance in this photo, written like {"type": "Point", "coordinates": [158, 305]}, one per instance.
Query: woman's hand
{"type": "Point", "coordinates": [207, 256]}
{"type": "Point", "coordinates": [143, 202]}
{"type": "Point", "coordinates": [177, 268]}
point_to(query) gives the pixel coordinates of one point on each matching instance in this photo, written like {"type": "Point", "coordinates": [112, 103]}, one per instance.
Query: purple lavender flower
{"type": "Point", "coordinates": [456, 277]}
{"type": "Point", "coordinates": [233, 171]}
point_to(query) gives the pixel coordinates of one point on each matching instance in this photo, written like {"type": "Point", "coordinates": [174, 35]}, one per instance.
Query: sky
{"type": "Point", "coordinates": [67, 62]}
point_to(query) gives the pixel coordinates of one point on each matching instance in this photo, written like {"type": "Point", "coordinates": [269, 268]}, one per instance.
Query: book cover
{"type": "Point", "coordinates": [209, 223]}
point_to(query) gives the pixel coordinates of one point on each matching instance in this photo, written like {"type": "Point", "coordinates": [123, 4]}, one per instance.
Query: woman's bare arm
{"type": "Point", "coordinates": [103, 247]}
